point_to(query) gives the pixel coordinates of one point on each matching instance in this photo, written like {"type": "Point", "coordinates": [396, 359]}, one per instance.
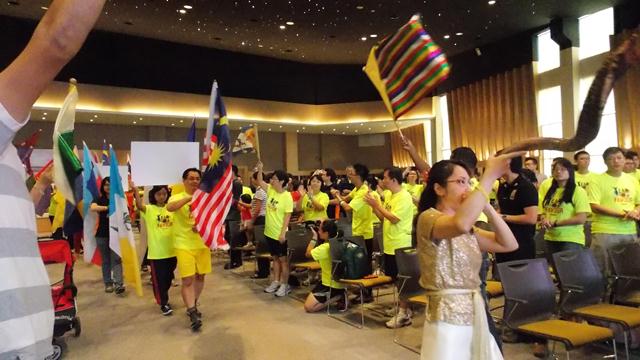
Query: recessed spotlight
{"type": "Point", "coordinates": [491, 2]}
{"type": "Point", "coordinates": [356, 130]}
{"type": "Point", "coordinates": [282, 27]}
{"type": "Point", "coordinates": [269, 129]}
{"type": "Point", "coordinates": [447, 36]}
{"type": "Point", "coordinates": [373, 35]}
{"type": "Point", "coordinates": [140, 118]}
{"type": "Point", "coordinates": [297, 131]}
{"type": "Point", "coordinates": [188, 7]}
{"type": "Point", "coordinates": [321, 131]}
{"type": "Point", "coordinates": [44, 118]}
{"type": "Point", "coordinates": [290, 23]}
{"type": "Point", "coordinates": [45, 113]}
{"type": "Point", "coordinates": [384, 125]}
{"type": "Point", "coordinates": [280, 126]}
{"type": "Point", "coordinates": [347, 126]}
{"type": "Point", "coordinates": [369, 128]}
{"type": "Point", "coordinates": [458, 34]}
{"type": "Point", "coordinates": [44, 8]}
{"type": "Point", "coordinates": [95, 116]}
{"type": "Point", "coordinates": [90, 120]}
{"type": "Point", "coordinates": [364, 38]}
{"type": "Point", "coordinates": [134, 122]}
{"type": "Point", "coordinates": [303, 128]}
{"type": "Point", "coordinates": [334, 129]}
{"type": "Point", "coordinates": [173, 124]}
{"type": "Point", "coordinates": [181, 121]}
{"type": "Point", "coordinates": [343, 133]}
{"type": "Point", "coordinates": [360, 7]}
{"type": "Point", "coordinates": [182, 11]}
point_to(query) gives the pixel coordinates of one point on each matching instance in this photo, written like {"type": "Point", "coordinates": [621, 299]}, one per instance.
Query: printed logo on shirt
{"type": "Point", "coordinates": [273, 204]}
{"type": "Point", "coordinates": [554, 207]}
{"type": "Point", "coordinates": [163, 221]}
{"type": "Point", "coordinates": [621, 195]}
{"type": "Point", "coordinates": [583, 184]}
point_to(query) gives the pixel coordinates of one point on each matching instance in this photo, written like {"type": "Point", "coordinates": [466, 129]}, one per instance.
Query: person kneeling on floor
{"type": "Point", "coordinates": [327, 291]}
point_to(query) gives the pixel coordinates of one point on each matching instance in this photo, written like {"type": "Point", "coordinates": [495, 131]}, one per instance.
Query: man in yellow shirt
{"type": "Point", "coordinates": [584, 178]}
{"type": "Point", "coordinates": [614, 197]}
{"type": "Point", "coordinates": [194, 258]}
{"type": "Point", "coordinates": [397, 222]}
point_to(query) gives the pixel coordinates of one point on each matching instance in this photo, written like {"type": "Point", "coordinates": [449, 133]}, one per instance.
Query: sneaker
{"type": "Point", "coordinates": [119, 289]}
{"type": "Point", "coordinates": [196, 323]}
{"type": "Point", "coordinates": [398, 321]}
{"type": "Point", "coordinates": [283, 290]}
{"type": "Point", "coordinates": [166, 310]}
{"type": "Point", "coordinates": [272, 288]}
{"type": "Point", "coordinates": [108, 288]}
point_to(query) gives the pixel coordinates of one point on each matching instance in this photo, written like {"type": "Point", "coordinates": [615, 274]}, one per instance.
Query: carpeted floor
{"type": "Point", "coordinates": [240, 322]}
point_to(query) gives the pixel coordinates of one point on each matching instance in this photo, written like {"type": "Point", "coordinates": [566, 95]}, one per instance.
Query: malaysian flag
{"type": "Point", "coordinates": [212, 201]}
{"type": "Point", "coordinates": [406, 66]}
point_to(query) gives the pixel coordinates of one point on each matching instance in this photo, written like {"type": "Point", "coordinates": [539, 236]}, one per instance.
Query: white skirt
{"type": "Point", "coordinates": [441, 340]}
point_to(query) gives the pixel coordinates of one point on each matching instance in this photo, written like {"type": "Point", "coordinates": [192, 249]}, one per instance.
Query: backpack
{"type": "Point", "coordinates": [353, 262]}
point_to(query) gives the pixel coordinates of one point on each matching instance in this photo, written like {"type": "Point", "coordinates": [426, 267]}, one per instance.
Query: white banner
{"type": "Point", "coordinates": [162, 163]}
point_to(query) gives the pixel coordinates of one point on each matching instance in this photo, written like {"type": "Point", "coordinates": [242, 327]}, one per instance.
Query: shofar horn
{"type": "Point", "coordinates": [613, 68]}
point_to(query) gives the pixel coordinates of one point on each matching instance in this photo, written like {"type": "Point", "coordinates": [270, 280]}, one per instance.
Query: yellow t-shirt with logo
{"type": "Point", "coordinates": [310, 212]}
{"type": "Point", "coordinates": [322, 254]}
{"type": "Point", "coordinates": [362, 215]}
{"type": "Point", "coordinates": [544, 186]}
{"type": "Point", "coordinates": [584, 180]}
{"type": "Point", "coordinates": [398, 235]}
{"type": "Point", "coordinates": [557, 211]}
{"type": "Point", "coordinates": [159, 224]}
{"type": "Point", "coordinates": [618, 193]}
{"type": "Point", "coordinates": [278, 206]}
{"type": "Point", "coordinates": [183, 222]}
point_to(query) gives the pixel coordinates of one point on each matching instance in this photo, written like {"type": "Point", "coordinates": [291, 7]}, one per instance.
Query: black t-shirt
{"type": "Point", "coordinates": [103, 216]}
{"type": "Point", "coordinates": [331, 209]}
{"type": "Point", "coordinates": [513, 199]}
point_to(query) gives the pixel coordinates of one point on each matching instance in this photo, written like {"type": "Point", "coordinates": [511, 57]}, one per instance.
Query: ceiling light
{"type": "Point", "coordinates": [44, 118]}
{"type": "Point", "coordinates": [364, 38]}
{"type": "Point", "coordinates": [140, 118]}
{"type": "Point", "coordinates": [343, 133]}
{"type": "Point", "coordinates": [369, 128]}
{"type": "Point", "coordinates": [269, 129]}
{"type": "Point", "coordinates": [181, 121]}
{"type": "Point", "coordinates": [282, 27]}
{"type": "Point", "coordinates": [491, 2]}
{"type": "Point", "coordinates": [290, 23]}
{"type": "Point", "coordinates": [321, 132]}
{"type": "Point", "coordinates": [134, 122]}
{"type": "Point", "coordinates": [347, 126]}
{"type": "Point", "coordinates": [45, 113]}
{"type": "Point", "coordinates": [334, 129]}
{"type": "Point", "coordinates": [446, 36]}
{"type": "Point", "coordinates": [173, 124]}
{"type": "Point", "coordinates": [297, 131]}
{"type": "Point", "coordinates": [44, 8]}
{"type": "Point", "coordinates": [373, 35]}
{"type": "Point", "coordinates": [188, 7]}
{"type": "Point", "coordinates": [360, 7]}
{"type": "Point", "coordinates": [303, 128]}
{"type": "Point", "coordinates": [182, 11]}
{"type": "Point", "coordinates": [458, 34]}
{"type": "Point", "coordinates": [280, 126]}
{"type": "Point", "coordinates": [90, 120]}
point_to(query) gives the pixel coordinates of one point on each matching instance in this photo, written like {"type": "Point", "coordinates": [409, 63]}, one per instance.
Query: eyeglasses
{"type": "Point", "coordinates": [461, 182]}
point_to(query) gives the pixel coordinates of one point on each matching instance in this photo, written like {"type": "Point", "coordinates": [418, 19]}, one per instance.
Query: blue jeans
{"type": "Point", "coordinates": [111, 263]}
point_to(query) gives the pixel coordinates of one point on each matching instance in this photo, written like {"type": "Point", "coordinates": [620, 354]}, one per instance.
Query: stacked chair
{"type": "Point", "coordinates": [626, 278]}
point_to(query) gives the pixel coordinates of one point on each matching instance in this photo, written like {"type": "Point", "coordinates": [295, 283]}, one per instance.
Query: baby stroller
{"type": "Point", "coordinates": [63, 293]}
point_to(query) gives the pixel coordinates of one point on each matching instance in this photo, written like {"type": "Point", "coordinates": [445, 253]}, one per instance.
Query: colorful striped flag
{"type": "Point", "coordinates": [66, 165]}
{"type": "Point", "coordinates": [90, 194]}
{"type": "Point", "coordinates": [212, 201]}
{"type": "Point", "coordinates": [406, 66]}
{"type": "Point", "coordinates": [120, 233]}
{"type": "Point", "coordinates": [246, 141]}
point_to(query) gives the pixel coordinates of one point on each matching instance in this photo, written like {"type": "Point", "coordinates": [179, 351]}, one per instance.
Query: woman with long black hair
{"type": "Point", "coordinates": [563, 208]}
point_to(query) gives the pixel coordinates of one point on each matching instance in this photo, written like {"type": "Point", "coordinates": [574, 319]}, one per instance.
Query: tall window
{"type": "Point", "coordinates": [594, 32]}
{"type": "Point", "coordinates": [550, 122]}
{"type": "Point", "coordinates": [608, 134]}
{"type": "Point", "coordinates": [446, 137]}
{"type": "Point", "coordinates": [548, 52]}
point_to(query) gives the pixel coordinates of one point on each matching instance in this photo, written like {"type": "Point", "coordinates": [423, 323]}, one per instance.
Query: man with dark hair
{"type": "Point", "coordinates": [614, 197]}
{"type": "Point", "coordinates": [396, 216]}
{"type": "Point", "coordinates": [26, 313]}
{"type": "Point", "coordinates": [518, 201]}
{"type": "Point", "coordinates": [583, 179]}
{"type": "Point", "coordinates": [630, 167]}
{"type": "Point", "coordinates": [319, 250]}
{"type": "Point", "coordinates": [329, 183]}
{"type": "Point", "coordinates": [531, 163]}
{"type": "Point", "coordinates": [194, 258]}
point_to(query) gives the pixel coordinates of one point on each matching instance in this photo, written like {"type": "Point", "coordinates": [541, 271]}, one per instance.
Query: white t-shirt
{"type": "Point", "coordinates": [26, 316]}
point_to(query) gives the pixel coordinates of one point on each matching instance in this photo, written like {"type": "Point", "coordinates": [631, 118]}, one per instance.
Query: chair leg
{"type": "Point", "coordinates": [626, 345]}
{"type": "Point", "coordinates": [361, 306]}
{"type": "Point", "coordinates": [615, 349]}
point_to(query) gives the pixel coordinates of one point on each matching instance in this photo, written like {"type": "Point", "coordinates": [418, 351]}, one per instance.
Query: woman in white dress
{"type": "Point", "coordinates": [449, 251]}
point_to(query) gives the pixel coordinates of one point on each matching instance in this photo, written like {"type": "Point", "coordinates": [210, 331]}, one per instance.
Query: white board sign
{"type": "Point", "coordinates": [40, 157]}
{"type": "Point", "coordinates": [161, 162]}
{"type": "Point", "coordinates": [105, 170]}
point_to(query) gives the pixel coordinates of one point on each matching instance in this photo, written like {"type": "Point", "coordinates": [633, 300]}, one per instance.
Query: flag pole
{"type": "Point", "coordinates": [395, 121]}
{"type": "Point", "coordinates": [257, 142]}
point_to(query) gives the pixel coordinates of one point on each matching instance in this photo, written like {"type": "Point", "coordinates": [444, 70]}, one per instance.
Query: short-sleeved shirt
{"type": "Point", "coordinates": [262, 196]}
{"type": "Point", "coordinates": [103, 218]}
{"type": "Point", "coordinates": [322, 254]}
{"type": "Point", "coordinates": [159, 224]}
{"type": "Point", "coordinates": [331, 209]}
{"type": "Point", "coordinates": [183, 222]}
{"type": "Point", "coordinates": [362, 218]}
{"type": "Point", "coordinates": [246, 190]}
{"type": "Point", "coordinates": [398, 235]}
{"type": "Point", "coordinates": [278, 206]}
{"type": "Point", "coordinates": [584, 180]}
{"type": "Point", "coordinates": [415, 191]}
{"type": "Point", "coordinates": [617, 193]}
{"type": "Point", "coordinates": [26, 310]}
{"type": "Point", "coordinates": [310, 212]}
{"type": "Point", "coordinates": [555, 210]}
{"type": "Point", "coordinates": [513, 199]}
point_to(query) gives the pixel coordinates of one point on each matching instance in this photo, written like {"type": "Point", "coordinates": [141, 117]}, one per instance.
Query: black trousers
{"type": "Point", "coordinates": [161, 275]}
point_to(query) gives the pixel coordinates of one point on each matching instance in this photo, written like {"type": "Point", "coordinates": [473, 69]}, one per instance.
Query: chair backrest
{"type": "Point", "coordinates": [626, 262]}
{"type": "Point", "coordinates": [528, 291]}
{"type": "Point", "coordinates": [409, 266]}
{"type": "Point", "coordinates": [578, 272]}
{"type": "Point", "coordinates": [297, 242]}
{"type": "Point", "coordinates": [260, 240]}
{"type": "Point", "coordinates": [344, 225]}
{"type": "Point", "coordinates": [232, 236]}
{"type": "Point", "coordinates": [378, 244]}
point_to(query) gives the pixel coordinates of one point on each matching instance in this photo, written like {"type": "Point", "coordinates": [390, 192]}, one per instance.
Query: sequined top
{"type": "Point", "coordinates": [447, 264]}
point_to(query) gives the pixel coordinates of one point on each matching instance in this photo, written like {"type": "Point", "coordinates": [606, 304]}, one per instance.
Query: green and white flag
{"type": "Point", "coordinates": [67, 168]}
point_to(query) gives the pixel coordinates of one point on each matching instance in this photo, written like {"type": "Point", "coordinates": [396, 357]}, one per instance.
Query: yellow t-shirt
{"type": "Point", "coordinates": [278, 206]}
{"type": "Point", "coordinates": [556, 211]}
{"type": "Point", "coordinates": [310, 212]}
{"type": "Point", "coordinates": [322, 255]}
{"type": "Point", "coordinates": [183, 222]}
{"type": "Point", "coordinates": [544, 186]}
{"type": "Point", "coordinates": [584, 180]}
{"type": "Point", "coordinates": [398, 235]}
{"type": "Point", "coordinates": [247, 190]}
{"type": "Point", "coordinates": [474, 184]}
{"type": "Point", "coordinates": [618, 193]}
{"type": "Point", "coordinates": [158, 222]}
{"type": "Point", "coordinates": [362, 215]}
{"type": "Point", "coordinates": [415, 191]}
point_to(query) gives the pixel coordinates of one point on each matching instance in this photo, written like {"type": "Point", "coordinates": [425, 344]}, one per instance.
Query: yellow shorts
{"type": "Point", "coordinates": [191, 262]}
